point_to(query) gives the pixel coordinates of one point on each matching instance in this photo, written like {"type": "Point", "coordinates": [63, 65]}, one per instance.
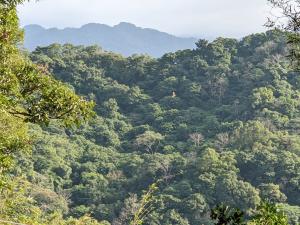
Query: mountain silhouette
{"type": "Point", "coordinates": [124, 38]}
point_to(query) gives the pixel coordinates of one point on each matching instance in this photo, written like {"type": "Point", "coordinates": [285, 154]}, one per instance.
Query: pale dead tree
{"type": "Point", "coordinates": [131, 205]}
{"type": "Point", "coordinates": [66, 196]}
{"type": "Point", "coordinates": [220, 87]}
{"type": "Point", "coordinates": [166, 168]}
{"type": "Point", "coordinates": [115, 175]}
{"type": "Point", "coordinates": [236, 104]}
{"type": "Point", "coordinates": [196, 138]}
{"type": "Point", "coordinates": [221, 141]}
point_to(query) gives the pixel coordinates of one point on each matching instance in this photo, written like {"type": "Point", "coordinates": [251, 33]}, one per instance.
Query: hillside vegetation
{"type": "Point", "coordinates": [216, 124]}
{"type": "Point", "coordinates": [205, 136]}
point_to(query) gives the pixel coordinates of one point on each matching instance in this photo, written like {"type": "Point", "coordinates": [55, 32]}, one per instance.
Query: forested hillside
{"type": "Point", "coordinates": [220, 123]}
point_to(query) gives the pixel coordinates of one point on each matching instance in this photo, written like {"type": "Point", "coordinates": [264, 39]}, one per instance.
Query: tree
{"type": "Point", "coordinates": [149, 140]}
{"type": "Point", "coordinates": [272, 193]}
{"type": "Point", "coordinates": [27, 93]}
{"type": "Point", "coordinates": [287, 18]}
{"type": "Point", "coordinates": [268, 213]}
{"type": "Point", "coordinates": [131, 206]}
{"type": "Point", "coordinates": [174, 218]}
{"type": "Point", "coordinates": [222, 140]}
{"type": "Point", "coordinates": [196, 207]}
{"type": "Point", "coordinates": [145, 206]}
{"type": "Point", "coordinates": [262, 97]}
{"type": "Point", "coordinates": [225, 215]}
{"type": "Point", "coordinates": [197, 138]}
{"type": "Point", "coordinates": [18, 207]}
{"type": "Point", "coordinates": [292, 212]}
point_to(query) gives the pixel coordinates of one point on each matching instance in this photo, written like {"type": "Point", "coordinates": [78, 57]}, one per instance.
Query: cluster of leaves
{"type": "Point", "coordinates": [266, 213]}
{"type": "Point", "coordinates": [18, 207]}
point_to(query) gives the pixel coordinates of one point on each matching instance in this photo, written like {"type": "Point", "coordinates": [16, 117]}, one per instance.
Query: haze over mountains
{"type": "Point", "coordinates": [124, 38]}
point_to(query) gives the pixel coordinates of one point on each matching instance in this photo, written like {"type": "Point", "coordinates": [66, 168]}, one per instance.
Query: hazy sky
{"type": "Point", "coordinates": [199, 18]}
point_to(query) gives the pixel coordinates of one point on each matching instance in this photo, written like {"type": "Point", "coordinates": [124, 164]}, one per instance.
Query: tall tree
{"type": "Point", "coordinates": [28, 93]}
{"type": "Point", "coordinates": [287, 17]}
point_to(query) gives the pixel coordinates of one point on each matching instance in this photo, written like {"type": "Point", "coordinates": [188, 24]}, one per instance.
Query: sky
{"type": "Point", "coordinates": [189, 18]}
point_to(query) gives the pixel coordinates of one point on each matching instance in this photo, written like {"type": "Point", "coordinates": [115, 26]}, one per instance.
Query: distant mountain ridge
{"type": "Point", "coordinates": [124, 38]}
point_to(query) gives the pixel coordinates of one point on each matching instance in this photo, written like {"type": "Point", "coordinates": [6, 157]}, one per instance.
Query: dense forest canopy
{"type": "Point", "coordinates": [170, 140]}
{"type": "Point", "coordinates": [219, 123]}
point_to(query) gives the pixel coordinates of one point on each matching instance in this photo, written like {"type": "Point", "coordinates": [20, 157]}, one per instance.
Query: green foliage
{"type": "Point", "coordinates": [292, 212]}
{"type": "Point", "coordinates": [27, 90]}
{"type": "Point", "coordinates": [28, 93]}
{"type": "Point", "coordinates": [13, 137]}
{"type": "Point", "coordinates": [17, 206]}
{"type": "Point", "coordinates": [269, 214]}
{"type": "Point", "coordinates": [146, 206]}
{"type": "Point", "coordinates": [219, 123]}
{"type": "Point", "coordinates": [215, 124]}
{"type": "Point", "coordinates": [148, 140]}
{"type": "Point", "coordinates": [224, 215]}
{"type": "Point", "coordinates": [266, 213]}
